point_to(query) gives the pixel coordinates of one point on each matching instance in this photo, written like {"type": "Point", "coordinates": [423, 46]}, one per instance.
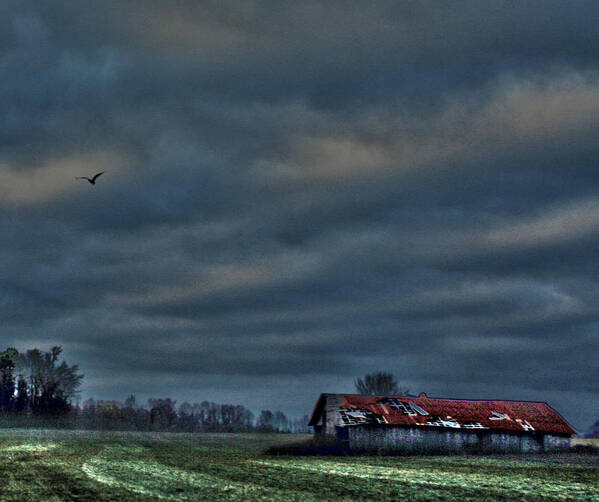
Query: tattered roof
{"type": "Point", "coordinates": [455, 413]}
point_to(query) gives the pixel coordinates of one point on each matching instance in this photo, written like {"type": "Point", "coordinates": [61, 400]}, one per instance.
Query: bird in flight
{"type": "Point", "coordinates": [92, 180]}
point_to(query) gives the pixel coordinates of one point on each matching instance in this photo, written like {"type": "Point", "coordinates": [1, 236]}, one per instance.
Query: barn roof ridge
{"type": "Point", "coordinates": [396, 396]}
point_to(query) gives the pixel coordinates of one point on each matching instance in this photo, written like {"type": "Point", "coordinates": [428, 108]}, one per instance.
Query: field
{"type": "Point", "coordinates": [585, 442]}
{"type": "Point", "coordinates": [132, 466]}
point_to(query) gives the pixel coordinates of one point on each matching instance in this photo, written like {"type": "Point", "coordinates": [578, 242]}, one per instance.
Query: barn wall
{"type": "Point", "coordinates": [551, 442]}
{"type": "Point", "coordinates": [328, 418]}
{"type": "Point", "coordinates": [510, 442]}
{"type": "Point", "coordinates": [409, 439]}
{"type": "Point", "coordinates": [418, 439]}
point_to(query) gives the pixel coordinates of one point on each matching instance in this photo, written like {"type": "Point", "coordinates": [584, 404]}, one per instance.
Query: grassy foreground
{"type": "Point", "coordinates": [131, 466]}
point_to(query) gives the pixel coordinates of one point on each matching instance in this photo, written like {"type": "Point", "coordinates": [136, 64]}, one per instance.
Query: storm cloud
{"type": "Point", "coordinates": [297, 193]}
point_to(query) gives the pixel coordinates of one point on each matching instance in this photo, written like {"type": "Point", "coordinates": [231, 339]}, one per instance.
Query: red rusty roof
{"type": "Point", "coordinates": [519, 414]}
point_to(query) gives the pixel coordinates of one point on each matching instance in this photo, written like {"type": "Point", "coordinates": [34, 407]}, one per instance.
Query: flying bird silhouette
{"type": "Point", "coordinates": [92, 180]}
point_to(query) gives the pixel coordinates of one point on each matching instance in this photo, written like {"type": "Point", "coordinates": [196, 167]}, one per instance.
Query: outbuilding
{"type": "Point", "coordinates": [423, 424]}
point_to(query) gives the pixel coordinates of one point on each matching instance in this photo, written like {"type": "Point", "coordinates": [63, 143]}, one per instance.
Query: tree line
{"type": "Point", "coordinates": [36, 389]}
{"type": "Point", "coordinates": [162, 414]}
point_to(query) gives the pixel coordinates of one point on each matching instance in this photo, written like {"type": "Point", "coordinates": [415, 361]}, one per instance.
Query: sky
{"type": "Point", "coordinates": [300, 193]}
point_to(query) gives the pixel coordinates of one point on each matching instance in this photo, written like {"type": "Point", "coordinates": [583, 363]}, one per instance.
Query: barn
{"type": "Point", "coordinates": [423, 424]}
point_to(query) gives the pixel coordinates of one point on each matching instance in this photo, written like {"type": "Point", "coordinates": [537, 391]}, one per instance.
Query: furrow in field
{"type": "Point", "coordinates": [151, 478]}
{"type": "Point", "coordinates": [30, 447]}
{"type": "Point", "coordinates": [514, 484]}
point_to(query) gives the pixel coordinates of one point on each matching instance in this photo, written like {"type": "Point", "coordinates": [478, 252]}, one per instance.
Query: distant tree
{"type": "Point", "coordinates": [280, 422]}
{"type": "Point", "coordinates": [243, 419]}
{"type": "Point", "coordinates": [7, 379]}
{"type": "Point", "coordinates": [22, 399]}
{"type": "Point", "coordinates": [227, 417]}
{"type": "Point", "coordinates": [89, 403]}
{"type": "Point", "coordinates": [88, 414]}
{"type": "Point", "coordinates": [131, 402]}
{"type": "Point", "coordinates": [109, 415]}
{"type": "Point", "coordinates": [51, 385]}
{"type": "Point", "coordinates": [186, 420]}
{"type": "Point", "coordinates": [134, 418]}
{"type": "Point", "coordinates": [185, 409]}
{"type": "Point", "coordinates": [209, 415]}
{"type": "Point", "coordinates": [162, 412]}
{"type": "Point", "coordinates": [300, 425]}
{"type": "Point", "coordinates": [235, 418]}
{"type": "Point", "coordinates": [141, 420]}
{"type": "Point", "coordinates": [378, 384]}
{"type": "Point", "coordinates": [265, 421]}
{"type": "Point", "coordinates": [196, 409]}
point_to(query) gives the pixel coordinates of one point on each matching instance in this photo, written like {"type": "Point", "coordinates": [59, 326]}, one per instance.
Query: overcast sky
{"type": "Point", "coordinates": [298, 193]}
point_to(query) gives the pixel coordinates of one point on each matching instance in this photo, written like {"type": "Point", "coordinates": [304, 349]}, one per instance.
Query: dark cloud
{"type": "Point", "coordinates": [299, 193]}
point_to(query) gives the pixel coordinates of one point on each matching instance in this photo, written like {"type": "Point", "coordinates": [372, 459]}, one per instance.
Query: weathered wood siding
{"type": "Point", "coordinates": [328, 419]}
{"type": "Point", "coordinates": [419, 439]}
{"type": "Point", "coordinates": [552, 443]}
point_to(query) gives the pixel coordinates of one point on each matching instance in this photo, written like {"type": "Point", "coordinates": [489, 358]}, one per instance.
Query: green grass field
{"type": "Point", "coordinates": [131, 466]}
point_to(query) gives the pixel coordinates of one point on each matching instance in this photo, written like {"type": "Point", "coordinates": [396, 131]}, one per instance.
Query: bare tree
{"type": "Point", "coordinates": [7, 380]}
{"type": "Point", "coordinates": [265, 421]}
{"type": "Point", "coordinates": [131, 401]}
{"type": "Point", "coordinates": [162, 412]}
{"type": "Point", "coordinates": [51, 385]}
{"type": "Point", "coordinates": [379, 384]}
